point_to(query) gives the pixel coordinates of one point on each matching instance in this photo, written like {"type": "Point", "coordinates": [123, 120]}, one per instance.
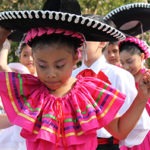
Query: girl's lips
{"type": "Point", "coordinates": [30, 64]}
{"type": "Point", "coordinates": [52, 82]}
{"type": "Point", "coordinates": [53, 85]}
{"type": "Point", "coordinates": [112, 59]}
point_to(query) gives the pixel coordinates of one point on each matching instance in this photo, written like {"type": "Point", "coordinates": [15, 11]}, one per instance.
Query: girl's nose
{"type": "Point", "coordinates": [111, 54]}
{"type": "Point", "coordinates": [51, 74]}
{"type": "Point", "coordinates": [31, 58]}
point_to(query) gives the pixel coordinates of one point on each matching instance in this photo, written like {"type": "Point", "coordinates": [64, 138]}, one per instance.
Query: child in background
{"type": "Point", "coordinates": [133, 52]}
{"type": "Point", "coordinates": [94, 65]}
{"type": "Point", "coordinates": [111, 53]}
{"type": "Point", "coordinates": [55, 110]}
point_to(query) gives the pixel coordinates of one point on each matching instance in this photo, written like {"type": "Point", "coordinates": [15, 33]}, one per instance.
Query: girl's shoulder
{"type": "Point", "coordinates": [19, 68]}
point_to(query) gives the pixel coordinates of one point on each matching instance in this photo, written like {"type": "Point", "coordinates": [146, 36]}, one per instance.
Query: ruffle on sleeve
{"type": "Point", "coordinates": [91, 104]}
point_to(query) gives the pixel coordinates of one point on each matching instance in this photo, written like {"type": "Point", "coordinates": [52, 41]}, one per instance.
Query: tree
{"type": "Point", "coordinates": [102, 7]}
{"type": "Point", "coordinates": [20, 4]}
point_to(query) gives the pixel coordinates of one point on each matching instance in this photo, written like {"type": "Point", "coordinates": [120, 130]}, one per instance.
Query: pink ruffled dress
{"type": "Point", "coordinates": [68, 122]}
{"type": "Point", "coordinates": [145, 145]}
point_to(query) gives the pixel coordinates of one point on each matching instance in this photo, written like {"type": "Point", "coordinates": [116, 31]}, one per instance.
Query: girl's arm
{"type": "Point", "coordinates": [121, 126]}
{"type": "Point", "coordinates": [4, 57]}
{"type": "Point", "coordinates": [4, 49]}
{"type": "Point", "coordinates": [4, 123]}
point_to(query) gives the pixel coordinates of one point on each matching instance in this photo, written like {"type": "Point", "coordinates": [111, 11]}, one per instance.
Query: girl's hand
{"type": "Point", "coordinates": [6, 45]}
{"type": "Point", "coordinates": [144, 85]}
{"type": "Point", "coordinates": [3, 35]}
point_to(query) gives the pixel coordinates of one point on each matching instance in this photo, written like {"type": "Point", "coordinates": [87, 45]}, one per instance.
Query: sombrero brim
{"type": "Point", "coordinates": [16, 36]}
{"type": "Point", "coordinates": [93, 30]}
{"type": "Point", "coordinates": [132, 19]}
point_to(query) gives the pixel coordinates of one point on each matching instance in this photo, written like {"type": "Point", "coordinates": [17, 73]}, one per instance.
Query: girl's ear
{"type": "Point", "coordinates": [75, 58]}
{"type": "Point", "coordinates": [142, 56]}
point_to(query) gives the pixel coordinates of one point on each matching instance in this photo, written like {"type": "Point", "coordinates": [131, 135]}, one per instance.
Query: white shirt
{"type": "Point", "coordinates": [10, 139]}
{"type": "Point", "coordinates": [123, 81]}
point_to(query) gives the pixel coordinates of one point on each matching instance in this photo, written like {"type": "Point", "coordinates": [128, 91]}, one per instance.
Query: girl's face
{"type": "Point", "coordinates": [112, 54]}
{"type": "Point", "coordinates": [54, 65]}
{"type": "Point", "coordinates": [26, 59]}
{"type": "Point", "coordinates": [132, 63]}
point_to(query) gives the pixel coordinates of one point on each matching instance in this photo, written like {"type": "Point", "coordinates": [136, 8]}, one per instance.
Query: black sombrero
{"type": "Point", "coordinates": [64, 14]}
{"type": "Point", "coordinates": [132, 19]}
{"type": "Point", "coordinates": [95, 17]}
{"type": "Point", "coordinates": [16, 36]}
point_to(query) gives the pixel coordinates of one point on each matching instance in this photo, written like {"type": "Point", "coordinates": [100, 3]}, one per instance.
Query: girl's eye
{"type": "Point", "coordinates": [114, 51]}
{"type": "Point", "coordinates": [60, 66]}
{"type": "Point", "coordinates": [41, 65]}
{"type": "Point", "coordinates": [24, 55]}
{"type": "Point", "coordinates": [130, 61]}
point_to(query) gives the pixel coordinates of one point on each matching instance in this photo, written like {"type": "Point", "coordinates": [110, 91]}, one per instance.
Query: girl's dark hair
{"type": "Point", "coordinates": [56, 39]}
{"type": "Point", "coordinates": [109, 43]}
{"type": "Point", "coordinates": [131, 48]}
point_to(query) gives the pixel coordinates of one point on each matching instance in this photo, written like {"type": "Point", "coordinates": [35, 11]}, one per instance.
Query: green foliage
{"type": "Point", "coordinates": [12, 57]}
{"type": "Point", "coordinates": [20, 4]}
{"type": "Point", "coordinates": [147, 63]}
{"type": "Point", "coordinates": [102, 7]}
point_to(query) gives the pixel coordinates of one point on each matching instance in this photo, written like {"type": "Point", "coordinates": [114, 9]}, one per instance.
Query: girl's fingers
{"type": "Point", "coordinates": [146, 77]}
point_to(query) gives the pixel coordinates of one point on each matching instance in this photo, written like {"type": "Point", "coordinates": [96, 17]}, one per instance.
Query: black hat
{"type": "Point", "coordinates": [16, 36]}
{"type": "Point", "coordinates": [63, 14]}
{"type": "Point", "coordinates": [132, 19]}
{"type": "Point", "coordinates": [95, 17]}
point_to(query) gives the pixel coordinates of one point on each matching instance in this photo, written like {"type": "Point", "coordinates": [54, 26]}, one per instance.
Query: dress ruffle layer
{"type": "Point", "coordinates": [67, 120]}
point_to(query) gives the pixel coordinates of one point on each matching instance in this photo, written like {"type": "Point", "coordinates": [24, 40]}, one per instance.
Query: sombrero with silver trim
{"type": "Point", "coordinates": [64, 14]}
{"type": "Point", "coordinates": [95, 17]}
{"type": "Point", "coordinates": [132, 19]}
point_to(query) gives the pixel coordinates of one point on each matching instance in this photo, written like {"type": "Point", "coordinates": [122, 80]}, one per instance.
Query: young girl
{"type": "Point", "coordinates": [133, 52]}
{"type": "Point", "coordinates": [55, 110]}
{"type": "Point", "coordinates": [10, 135]}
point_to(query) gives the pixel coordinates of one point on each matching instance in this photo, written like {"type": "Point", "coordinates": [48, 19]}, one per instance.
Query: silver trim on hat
{"type": "Point", "coordinates": [77, 19]}
{"type": "Point", "coordinates": [125, 7]}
